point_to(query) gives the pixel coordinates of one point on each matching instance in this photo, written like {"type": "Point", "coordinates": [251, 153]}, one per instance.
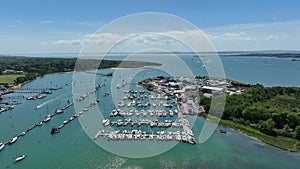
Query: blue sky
{"type": "Point", "coordinates": [35, 26]}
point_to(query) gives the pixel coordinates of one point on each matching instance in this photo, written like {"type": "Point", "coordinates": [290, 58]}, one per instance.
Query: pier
{"type": "Point", "coordinates": [142, 135]}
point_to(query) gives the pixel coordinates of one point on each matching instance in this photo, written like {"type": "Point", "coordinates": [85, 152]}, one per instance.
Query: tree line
{"type": "Point", "coordinates": [39, 66]}
{"type": "Point", "coordinates": [272, 110]}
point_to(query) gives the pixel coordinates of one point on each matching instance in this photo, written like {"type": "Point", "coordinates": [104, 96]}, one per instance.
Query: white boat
{"type": "Point", "coordinates": [48, 117]}
{"type": "Point", "coordinates": [2, 146]}
{"type": "Point", "coordinates": [66, 121]}
{"type": "Point", "coordinates": [23, 133]}
{"type": "Point", "coordinates": [57, 111]}
{"type": "Point", "coordinates": [104, 121]}
{"type": "Point", "coordinates": [20, 158]}
{"type": "Point", "coordinates": [39, 123]}
{"type": "Point", "coordinates": [30, 98]}
{"type": "Point", "coordinates": [11, 141]}
{"type": "Point", "coordinates": [121, 104]}
{"type": "Point", "coordinates": [40, 96]}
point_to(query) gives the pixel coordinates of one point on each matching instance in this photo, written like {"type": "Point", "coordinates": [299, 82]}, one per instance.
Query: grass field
{"type": "Point", "coordinates": [7, 79]}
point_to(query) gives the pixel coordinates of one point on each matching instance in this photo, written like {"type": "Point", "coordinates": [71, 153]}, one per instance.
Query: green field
{"type": "Point", "coordinates": [7, 79]}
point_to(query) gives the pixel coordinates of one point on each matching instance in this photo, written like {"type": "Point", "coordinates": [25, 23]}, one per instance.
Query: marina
{"type": "Point", "coordinates": [150, 85]}
{"type": "Point", "coordinates": [141, 114]}
{"type": "Point", "coordinates": [40, 137]}
{"type": "Point", "coordinates": [140, 103]}
{"type": "Point", "coordinates": [161, 102]}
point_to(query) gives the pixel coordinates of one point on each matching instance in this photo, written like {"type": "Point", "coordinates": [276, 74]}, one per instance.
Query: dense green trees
{"type": "Point", "coordinates": [279, 119]}
{"type": "Point", "coordinates": [267, 127]}
{"type": "Point", "coordinates": [34, 66]}
{"type": "Point", "coordinates": [27, 77]}
{"type": "Point", "coordinates": [272, 110]}
{"type": "Point", "coordinates": [297, 132]}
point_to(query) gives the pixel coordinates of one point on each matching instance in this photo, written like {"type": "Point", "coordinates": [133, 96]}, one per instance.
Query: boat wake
{"type": "Point", "coordinates": [46, 102]}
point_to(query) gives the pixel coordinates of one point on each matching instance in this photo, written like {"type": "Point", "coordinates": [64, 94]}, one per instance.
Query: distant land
{"type": "Point", "coordinates": [258, 53]}
{"type": "Point", "coordinates": [19, 69]}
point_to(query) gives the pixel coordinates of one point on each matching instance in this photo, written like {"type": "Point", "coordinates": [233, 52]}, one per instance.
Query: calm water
{"type": "Point", "coordinates": [72, 148]}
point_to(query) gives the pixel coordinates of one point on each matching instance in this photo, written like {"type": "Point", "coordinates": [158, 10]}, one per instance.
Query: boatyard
{"type": "Point", "coordinates": [160, 103]}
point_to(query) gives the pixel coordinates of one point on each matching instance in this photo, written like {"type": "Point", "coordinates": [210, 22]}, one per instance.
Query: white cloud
{"type": "Point", "coordinates": [69, 42]}
{"type": "Point", "coordinates": [271, 37]}
{"type": "Point", "coordinates": [47, 22]}
{"type": "Point", "coordinates": [149, 38]}
{"type": "Point", "coordinates": [255, 36]}
{"type": "Point", "coordinates": [234, 36]}
{"type": "Point", "coordinates": [93, 39]}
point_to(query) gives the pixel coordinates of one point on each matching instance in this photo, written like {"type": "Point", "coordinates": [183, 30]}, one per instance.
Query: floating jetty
{"type": "Point", "coordinates": [42, 93]}
{"type": "Point", "coordinates": [129, 113]}
{"type": "Point", "coordinates": [142, 135]}
{"type": "Point", "coordinates": [38, 96]}
{"type": "Point", "coordinates": [151, 123]}
{"type": "Point", "coordinates": [11, 103]}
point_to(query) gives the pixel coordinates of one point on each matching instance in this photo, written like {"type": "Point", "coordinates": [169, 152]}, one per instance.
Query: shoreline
{"type": "Point", "coordinates": [261, 137]}
{"type": "Point", "coordinates": [109, 65]}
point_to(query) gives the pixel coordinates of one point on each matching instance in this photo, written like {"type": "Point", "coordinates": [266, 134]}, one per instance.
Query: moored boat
{"type": "Point", "coordinates": [54, 130]}
{"type": "Point", "coordinates": [2, 146]}
{"type": "Point", "coordinates": [66, 121]}
{"type": "Point", "coordinates": [11, 141]}
{"type": "Point", "coordinates": [39, 123]}
{"type": "Point", "coordinates": [48, 117]}
{"type": "Point", "coordinates": [21, 157]}
{"type": "Point", "coordinates": [57, 111]}
{"type": "Point", "coordinates": [23, 133]}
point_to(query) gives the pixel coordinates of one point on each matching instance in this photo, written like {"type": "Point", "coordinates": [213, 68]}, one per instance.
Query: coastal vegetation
{"type": "Point", "coordinates": [271, 114]}
{"type": "Point", "coordinates": [39, 66]}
